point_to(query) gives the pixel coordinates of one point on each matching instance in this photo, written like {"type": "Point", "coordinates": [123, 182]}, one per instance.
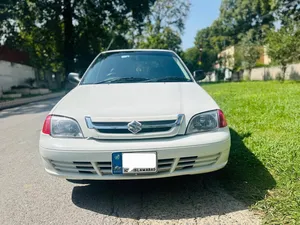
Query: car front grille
{"type": "Point", "coordinates": [145, 129]}
{"type": "Point", "coordinates": [163, 165]}
{"type": "Point", "coordinates": [126, 131]}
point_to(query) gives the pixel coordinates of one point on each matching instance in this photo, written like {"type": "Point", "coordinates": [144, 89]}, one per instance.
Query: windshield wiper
{"type": "Point", "coordinates": [168, 79]}
{"type": "Point", "coordinates": [122, 80]}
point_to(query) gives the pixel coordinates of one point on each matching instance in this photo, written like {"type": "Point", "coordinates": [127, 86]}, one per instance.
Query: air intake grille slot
{"type": "Point", "coordinates": [73, 167]}
{"type": "Point", "coordinates": [105, 168]}
{"type": "Point", "coordinates": [195, 161]}
{"type": "Point", "coordinates": [164, 165]}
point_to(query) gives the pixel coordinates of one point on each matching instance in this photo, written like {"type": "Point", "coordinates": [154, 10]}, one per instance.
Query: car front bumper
{"type": "Point", "coordinates": [89, 159]}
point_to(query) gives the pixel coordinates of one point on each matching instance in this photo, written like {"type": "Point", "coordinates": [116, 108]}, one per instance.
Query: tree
{"type": "Point", "coordinates": [240, 16]}
{"type": "Point", "coordinates": [241, 22]}
{"type": "Point", "coordinates": [213, 37]}
{"type": "Point", "coordinates": [191, 58]}
{"type": "Point", "coordinates": [164, 25]}
{"type": "Point", "coordinates": [287, 10]}
{"type": "Point", "coordinates": [168, 13]}
{"type": "Point", "coordinates": [249, 52]}
{"type": "Point", "coordinates": [212, 40]}
{"type": "Point", "coordinates": [284, 45]}
{"type": "Point", "coordinates": [69, 31]}
{"type": "Point", "coordinates": [196, 59]}
{"type": "Point", "coordinates": [21, 32]}
{"type": "Point", "coordinates": [238, 62]}
{"type": "Point", "coordinates": [167, 39]}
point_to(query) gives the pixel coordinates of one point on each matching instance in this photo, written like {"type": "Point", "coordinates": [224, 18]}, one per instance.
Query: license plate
{"type": "Point", "coordinates": [134, 163]}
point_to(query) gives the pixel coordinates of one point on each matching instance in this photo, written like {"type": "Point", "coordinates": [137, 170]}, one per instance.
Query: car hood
{"type": "Point", "coordinates": [137, 101]}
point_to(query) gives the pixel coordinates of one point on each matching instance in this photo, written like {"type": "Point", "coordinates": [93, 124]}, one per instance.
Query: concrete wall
{"type": "Point", "coordinates": [292, 72]}
{"type": "Point", "coordinates": [14, 74]}
{"type": "Point", "coordinates": [210, 77]}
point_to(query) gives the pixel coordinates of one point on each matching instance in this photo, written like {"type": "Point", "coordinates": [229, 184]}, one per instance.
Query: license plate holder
{"type": "Point", "coordinates": [134, 162]}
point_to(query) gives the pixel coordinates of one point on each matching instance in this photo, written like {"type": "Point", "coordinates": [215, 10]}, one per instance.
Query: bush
{"type": "Point", "coordinates": [246, 77]}
{"type": "Point", "coordinates": [20, 87]}
{"type": "Point", "coordinates": [279, 77]}
{"type": "Point", "coordinates": [260, 65]}
{"type": "Point", "coordinates": [43, 85]}
{"type": "Point", "coordinates": [267, 76]}
{"type": "Point", "coordinates": [30, 81]}
{"type": "Point", "coordinates": [294, 75]}
{"type": "Point", "coordinates": [9, 92]}
{"type": "Point", "coordinates": [220, 74]}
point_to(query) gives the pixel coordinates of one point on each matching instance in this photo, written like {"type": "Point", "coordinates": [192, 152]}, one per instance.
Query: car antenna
{"type": "Point", "coordinates": [108, 47]}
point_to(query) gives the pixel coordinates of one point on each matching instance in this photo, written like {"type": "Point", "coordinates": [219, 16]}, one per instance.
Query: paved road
{"type": "Point", "coordinates": [30, 196]}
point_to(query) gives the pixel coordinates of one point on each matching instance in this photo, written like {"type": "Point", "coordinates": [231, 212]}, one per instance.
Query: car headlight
{"type": "Point", "coordinates": [206, 121]}
{"type": "Point", "coordinates": [63, 127]}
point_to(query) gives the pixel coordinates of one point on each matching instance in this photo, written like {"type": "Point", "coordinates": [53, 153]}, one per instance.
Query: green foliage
{"type": "Point", "coordinates": [164, 25]}
{"type": "Point", "coordinates": [30, 81]}
{"type": "Point", "coordinates": [240, 21]}
{"type": "Point", "coordinates": [220, 74]}
{"type": "Point", "coordinates": [287, 10]}
{"type": "Point", "coordinates": [167, 39]}
{"type": "Point", "coordinates": [208, 59]}
{"type": "Point", "coordinates": [267, 76]}
{"type": "Point", "coordinates": [240, 16]}
{"type": "Point", "coordinates": [168, 13]}
{"type": "Point", "coordinates": [280, 77]}
{"type": "Point", "coordinates": [294, 75]}
{"type": "Point", "coordinates": [238, 59]}
{"type": "Point", "coordinates": [195, 59]}
{"type": "Point", "coordinates": [284, 45]}
{"type": "Point", "coordinates": [65, 35]}
{"type": "Point", "coordinates": [213, 38]}
{"type": "Point", "coordinates": [191, 58]}
{"type": "Point", "coordinates": [247, 77]}
{"type": "Point", "coordinates": [249, 53]}
{"type": "Point", "coordinates": [260, 65]}
{"type": "Point", "coordinates": [226, 61]}
{"type": "Point", "coordinates": [264, 163]}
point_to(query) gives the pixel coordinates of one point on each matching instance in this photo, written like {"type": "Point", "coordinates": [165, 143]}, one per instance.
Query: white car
{"type": "Point", "coordinates": [135, 114]}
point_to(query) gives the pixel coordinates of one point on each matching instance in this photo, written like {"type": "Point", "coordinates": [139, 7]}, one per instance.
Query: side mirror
{"type": "Point", "coordinates": [199, 75]}
{"type": "Point", "coordinates": [74, 78]}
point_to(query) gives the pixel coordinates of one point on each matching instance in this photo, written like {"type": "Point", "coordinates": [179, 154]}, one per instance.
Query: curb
{"type": "Point", "coordinates": [23, 101]}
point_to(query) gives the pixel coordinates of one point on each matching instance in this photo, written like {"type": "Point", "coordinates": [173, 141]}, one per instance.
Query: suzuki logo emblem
{"type": "Point", "coordinates": [134, 127]}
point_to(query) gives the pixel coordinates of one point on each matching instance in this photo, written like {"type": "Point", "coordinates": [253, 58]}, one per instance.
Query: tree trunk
{"type": "Point", "coordinates": [68, 37]}
{"type": "Point", "coordinates": [250, 70]}
{"type": "Point", "coordinates": [284, 67]}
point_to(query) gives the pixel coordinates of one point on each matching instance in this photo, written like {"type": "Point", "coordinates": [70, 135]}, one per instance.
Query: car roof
{"type": "Point", "coordinates": [138, 50]}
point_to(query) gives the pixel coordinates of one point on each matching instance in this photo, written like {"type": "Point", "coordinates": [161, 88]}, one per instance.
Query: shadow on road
{"type": "Point", "coordinates": [182, 197]}
{"type": "Point", "coordinates": [31, 108]}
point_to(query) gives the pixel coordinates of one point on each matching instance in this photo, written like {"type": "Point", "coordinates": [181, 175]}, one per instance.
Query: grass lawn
{"type": "Point", "coordinates": [264, 166]}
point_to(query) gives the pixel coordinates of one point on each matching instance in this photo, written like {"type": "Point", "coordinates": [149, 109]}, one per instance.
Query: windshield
{"type": "Point", "coordinates": [129, 67]}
